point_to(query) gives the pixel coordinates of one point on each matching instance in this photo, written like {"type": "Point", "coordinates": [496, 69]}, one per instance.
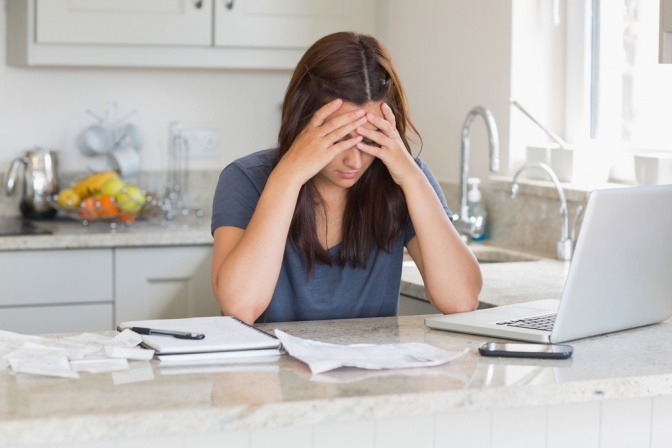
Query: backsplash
{"type": "Point", "coordinates": [200, 188]}
{"type": "Point", "coordinates": [529, 223]}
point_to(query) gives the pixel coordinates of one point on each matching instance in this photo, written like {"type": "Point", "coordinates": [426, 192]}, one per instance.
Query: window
{"type": "Point", "coordinates": [631, 93]}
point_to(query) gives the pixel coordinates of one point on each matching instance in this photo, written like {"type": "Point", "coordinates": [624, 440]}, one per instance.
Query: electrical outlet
{"type": "Point", "coordinates": [203, 143]}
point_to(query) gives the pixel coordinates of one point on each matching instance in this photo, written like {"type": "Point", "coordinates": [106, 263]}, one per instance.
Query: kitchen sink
{"type": "Point", "coordinates": [489, 254]}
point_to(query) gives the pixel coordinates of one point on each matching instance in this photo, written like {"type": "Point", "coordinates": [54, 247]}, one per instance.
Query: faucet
{"type": "Point", "coordinates": [466, 225]}
{"type": "Point", "coordinates": [564, 246]}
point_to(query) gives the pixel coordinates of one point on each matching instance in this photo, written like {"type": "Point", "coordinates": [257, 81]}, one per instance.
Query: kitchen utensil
{"type": "Point", "coordinates": [95, 140]}
{"type": "Point", "coordinates": [39, 182]}
{"type": "Point", "coordinates": [125, 160]}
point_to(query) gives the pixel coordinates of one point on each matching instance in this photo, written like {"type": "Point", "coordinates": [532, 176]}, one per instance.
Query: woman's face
{"type": "Point", "coordinates": [348, 167]}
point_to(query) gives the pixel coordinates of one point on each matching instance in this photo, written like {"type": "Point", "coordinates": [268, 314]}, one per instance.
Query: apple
{"type": "Point", "coordinates": [113, 186]}
{"type": "Point", "coordinates": [130, 199]}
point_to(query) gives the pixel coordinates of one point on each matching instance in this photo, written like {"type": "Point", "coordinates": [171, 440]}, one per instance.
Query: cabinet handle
{"type": "Point", "coordinates": [198, 4]}
{"type": "Point", "coordinates": [229, 4]}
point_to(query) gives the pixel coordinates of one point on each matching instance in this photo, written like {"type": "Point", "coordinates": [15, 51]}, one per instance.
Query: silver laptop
{"type": "Point", "coordinates": [620, 276]}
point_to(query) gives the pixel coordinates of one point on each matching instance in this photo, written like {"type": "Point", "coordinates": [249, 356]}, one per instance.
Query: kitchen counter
{"type": "Point", "coordinates": [70, 234]}
{"type": "Point", "coordinates": [504, 283]}
{"type": "Point", "coordinates": [253, 403]}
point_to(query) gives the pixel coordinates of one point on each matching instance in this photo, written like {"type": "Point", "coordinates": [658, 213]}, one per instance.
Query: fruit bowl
{"type": "Point", "coordinates": [105, 208]}
{"type": "Point", "coordinates": [104, 196]}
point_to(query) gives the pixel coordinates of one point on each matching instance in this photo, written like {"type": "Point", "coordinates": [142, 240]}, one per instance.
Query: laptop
{"type": "Point", "coordinates": [620, 276]}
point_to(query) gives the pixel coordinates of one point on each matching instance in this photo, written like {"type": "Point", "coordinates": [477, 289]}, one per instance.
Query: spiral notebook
{"type": "Point", "coordinates": [223, 334]}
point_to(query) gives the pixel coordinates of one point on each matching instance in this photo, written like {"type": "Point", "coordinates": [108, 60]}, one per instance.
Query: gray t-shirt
{"type": "Point", "coordinates": [331, 292]}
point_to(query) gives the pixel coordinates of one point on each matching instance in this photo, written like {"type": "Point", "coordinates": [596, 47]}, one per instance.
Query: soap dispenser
{"type": "Point", "coordinates": [477, 213]}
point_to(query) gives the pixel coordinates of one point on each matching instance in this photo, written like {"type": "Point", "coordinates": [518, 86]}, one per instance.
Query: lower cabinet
{"type": "Point", "coordinates": [53, 291]}
{"type": "Point", "coordinates": [80, 290]}
{"type": "Point", "coordinates": [410, 306]}
{"type": "Point", "coordinates": [163, 283]}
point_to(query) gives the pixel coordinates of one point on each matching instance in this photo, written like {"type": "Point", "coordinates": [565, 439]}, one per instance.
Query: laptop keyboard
{"type": "Point", "coordinates": [544, 323]}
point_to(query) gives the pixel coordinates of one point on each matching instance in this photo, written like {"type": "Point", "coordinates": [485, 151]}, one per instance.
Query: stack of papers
{"type": "Point", "coordinates": [66, 357]}
{"type": "Point", "coordinates": [227, 340]}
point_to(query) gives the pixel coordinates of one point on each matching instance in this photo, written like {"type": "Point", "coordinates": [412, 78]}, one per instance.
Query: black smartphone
{"type": "Point", "coordinates": [520, 350]}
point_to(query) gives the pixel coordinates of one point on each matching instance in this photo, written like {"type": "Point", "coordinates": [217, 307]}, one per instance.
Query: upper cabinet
{"type": "Point", "coordinates": [269, 34]}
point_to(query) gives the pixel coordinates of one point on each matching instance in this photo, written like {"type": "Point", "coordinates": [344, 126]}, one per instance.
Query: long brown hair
{"type": "Point", "coordinates": [358, 69]}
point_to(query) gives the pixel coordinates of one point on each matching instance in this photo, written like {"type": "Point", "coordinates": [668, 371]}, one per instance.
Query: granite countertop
{"type": "Point", "coordinates": [70, 234]}
{"type": "Point", "coordinates": [150, 400]}
{"type": "Point", "coordinates": [504, 283]}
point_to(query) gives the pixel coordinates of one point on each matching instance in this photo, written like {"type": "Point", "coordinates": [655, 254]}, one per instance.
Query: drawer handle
{"type": "Point", "coordinates": [229, 4]}
{"type": "Point", "coordinates": [198, 4]}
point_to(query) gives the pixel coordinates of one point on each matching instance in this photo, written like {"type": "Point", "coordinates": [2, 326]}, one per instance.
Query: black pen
{"type": "Point", "coordinates": [175, 334]}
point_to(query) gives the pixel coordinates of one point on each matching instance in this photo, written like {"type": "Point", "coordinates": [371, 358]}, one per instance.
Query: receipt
{"type": "Point", "coordinates": [322, 357]}
{"type": "Point", "coordinates": [64, 357]}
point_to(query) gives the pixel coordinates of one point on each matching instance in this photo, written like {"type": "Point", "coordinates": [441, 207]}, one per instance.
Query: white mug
{"type": "Point", "coordinates": [126, 160]}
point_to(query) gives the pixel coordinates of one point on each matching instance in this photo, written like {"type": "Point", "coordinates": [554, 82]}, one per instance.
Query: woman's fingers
{"type": "Point", "coordinates": [323, 112]}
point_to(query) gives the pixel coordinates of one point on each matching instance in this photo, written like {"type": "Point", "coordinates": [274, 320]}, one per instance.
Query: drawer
{"type": "Point", "coordinates": [44, 277]}
{"type": "Point", "coordinates": [57, 318]}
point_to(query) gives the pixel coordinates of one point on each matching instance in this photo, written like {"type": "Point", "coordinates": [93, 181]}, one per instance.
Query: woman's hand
{"type": "Point", "coordinates": [389, 147]}
{"type": "Point", "coordinates": [323, 138]}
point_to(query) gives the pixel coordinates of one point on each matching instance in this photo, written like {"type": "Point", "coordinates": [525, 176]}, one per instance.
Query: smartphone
{"type": "Point", "coordinates": [519, 350]}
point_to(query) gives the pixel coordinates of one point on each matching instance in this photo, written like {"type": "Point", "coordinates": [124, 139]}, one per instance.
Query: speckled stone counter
{"type": "Point", "coordinates": [69, 234]}
{"type": "Point", "coordinates": [150, 401]}
{"type": "Point", "coordinates": [504, 283]}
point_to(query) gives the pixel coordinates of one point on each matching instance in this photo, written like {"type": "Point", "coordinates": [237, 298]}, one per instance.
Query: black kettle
{"type": "Point", "coordinates": [39, 182]}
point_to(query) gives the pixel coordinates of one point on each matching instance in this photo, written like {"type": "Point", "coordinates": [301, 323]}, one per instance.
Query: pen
{"type": "Point", "coordinates": [175, 334]}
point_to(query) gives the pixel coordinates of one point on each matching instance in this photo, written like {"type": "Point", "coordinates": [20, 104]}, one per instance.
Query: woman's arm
{"type": "Point", "coordinates": [450, 272]}
{"type": "Point", "coordinates": [246, 262]}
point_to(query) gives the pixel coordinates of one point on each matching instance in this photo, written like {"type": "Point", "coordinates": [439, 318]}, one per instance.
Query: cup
{"type": "Point", "coordinates": [653, 168]}
{"type": "Point", "coordinates": [95, 140]}
{"type": "Point", "coordinates": [126, 160]}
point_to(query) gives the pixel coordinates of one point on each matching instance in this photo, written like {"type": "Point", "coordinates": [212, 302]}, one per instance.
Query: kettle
{"type": "Point", "coordinates": [39, 182]}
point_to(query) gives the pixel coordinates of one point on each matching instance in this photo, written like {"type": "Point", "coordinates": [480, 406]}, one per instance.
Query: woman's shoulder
{"type": "Point", "coordinates": [261, 159]}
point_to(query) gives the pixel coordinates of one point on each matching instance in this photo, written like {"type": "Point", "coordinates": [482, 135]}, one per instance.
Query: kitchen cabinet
{"type": "Point", "coordinates": [47, 291]}
{"type": "Point", "coordinates": [163, 283]}
{"type": "Point", "coordinates": [410, 306]}
{"type": "Point", "coordinates": [78, 290]}
{"type": "Point", "coordinates": [268, 34]}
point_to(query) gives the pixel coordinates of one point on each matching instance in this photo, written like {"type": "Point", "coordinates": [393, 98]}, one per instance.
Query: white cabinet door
{"type": "Point", "coordinates": [289, 23]}
{"type": "Point", "coordinates": [54, 291]}
{"type": "Point", "coordinates": [163, 283]}
{"type": "Point", "coordinates": [48, 277]}
{"type": "Point", "coordinates": [145, 22]}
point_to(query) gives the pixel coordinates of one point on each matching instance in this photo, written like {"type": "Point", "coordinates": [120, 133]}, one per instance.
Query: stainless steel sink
{"type": "Point", "coordinates": [489, 254]}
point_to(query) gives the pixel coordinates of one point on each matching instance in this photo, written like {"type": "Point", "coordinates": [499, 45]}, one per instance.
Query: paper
{"type": "Point", "coordinates": [263, 355]}
{"type": "Point", "coordinates": [99, 365]}
{"type": "Point", "coordinates": [322, 357]}
{"type": "Point", "coordinates": [222, 333]}
{"type": "Point", "coordinates": [135, 353]}
{"type": "Point", "coordinates": [65, 357]}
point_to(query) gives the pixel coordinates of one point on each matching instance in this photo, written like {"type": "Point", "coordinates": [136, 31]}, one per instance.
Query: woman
{"type": "Point", "coordinates": [316, 228]}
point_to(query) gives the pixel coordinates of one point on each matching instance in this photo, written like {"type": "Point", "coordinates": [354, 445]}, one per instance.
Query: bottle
{"type": "Point", "coordinates": [477, 213]}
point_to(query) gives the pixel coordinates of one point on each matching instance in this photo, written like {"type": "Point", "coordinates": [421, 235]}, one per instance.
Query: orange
{"type": "Point", "coordinates": [106, 207]}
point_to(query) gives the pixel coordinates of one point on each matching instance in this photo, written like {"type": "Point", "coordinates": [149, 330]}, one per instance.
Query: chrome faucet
{"type": "Point", "coordinates": [565, 245]}
{"type": "Point", "coordinates": [467, 225]}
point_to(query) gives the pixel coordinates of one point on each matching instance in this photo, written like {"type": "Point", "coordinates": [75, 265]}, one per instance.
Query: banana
{"type": "Point", "coordinates": [92, 184]}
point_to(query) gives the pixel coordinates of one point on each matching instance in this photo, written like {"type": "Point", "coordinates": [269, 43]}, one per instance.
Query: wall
{"type": "Point", "coordinates": [451, 56]}
{"type": "Point", "coordinates": [47, 107]}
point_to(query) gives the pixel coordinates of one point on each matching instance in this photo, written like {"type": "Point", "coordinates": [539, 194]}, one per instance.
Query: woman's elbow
{"type": "Point", "coordinates": [458, 300]}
